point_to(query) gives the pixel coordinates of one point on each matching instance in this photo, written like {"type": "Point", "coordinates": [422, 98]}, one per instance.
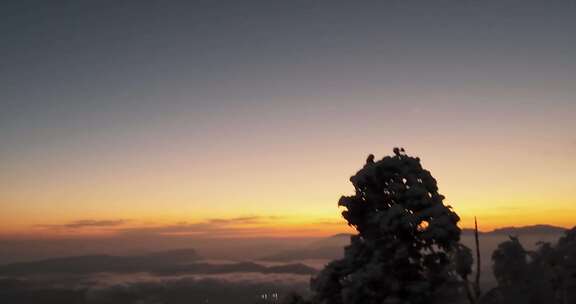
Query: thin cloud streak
{"type": "Point", "coordinates": [91, 223]}
{"type": "Point", "coordinates": [247, 226]}
{"type": "Point", "coordinates": [216, 227]}
{"type": "Point", "coordinates": [244, 226]}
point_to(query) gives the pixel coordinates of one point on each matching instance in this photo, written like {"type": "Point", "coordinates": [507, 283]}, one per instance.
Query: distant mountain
{"type": "Point", "coordinates": [332, 247]}
{"type": "Point", "coordinates": [182, 255]}
{"type": "Point", "coordinates": [328, 248]}
{"type": "Point", "coordinates": [103, 263]}
{"type": "Point", "coordinates": [533, 229]}
{"type": "Point", "coordinates": [331, 252]}
{"type": "Point", "coordinates": [530, 229]}
{"type": "Point", "coordinates": [174, 262]}
{"type": "Point", "coordinates": [341, 239]}
{"type": "Point", "coordinates": [207, 268]}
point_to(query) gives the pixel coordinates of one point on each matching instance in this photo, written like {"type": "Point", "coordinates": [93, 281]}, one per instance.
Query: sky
{"type": "Point", "coordinates": [228, 118]}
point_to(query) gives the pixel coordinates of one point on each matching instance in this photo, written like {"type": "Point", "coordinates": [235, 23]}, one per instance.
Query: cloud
{"type": "Point", "coordinates": [240, 220]}
{"type": "Point", "coordinates": [216, 227]}
{"type": "Point", "coordinates": [243, 226]}
{"type": "Point", "coordinates": [91, 223]}
{"type": "Point", "coordinates": [339, 222]}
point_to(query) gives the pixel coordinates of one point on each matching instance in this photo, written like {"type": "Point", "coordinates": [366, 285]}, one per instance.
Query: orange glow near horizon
{"type": "Point", "coordinates": [231, 118]}
{"type": "Point", "coordinates": [503, 184]}
{"type": "Point", "coordinates": [258, 226]}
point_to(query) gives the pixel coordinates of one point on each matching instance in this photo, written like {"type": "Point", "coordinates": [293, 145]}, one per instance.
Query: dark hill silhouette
{"type": "Point", "coordinates": [207, 268]}
{"type": "Point", "coordinates": [176, 262]}
{"type": "Point", "coordinates": [327, 248]}
{"type": "Point", "coordinates": [534, 229]}
{"type": "Point", "coordinates": [176, 254]}
{"type": "Point", "coordinates": [335, 240]}
{"type": "Point", "coordinates": [332, 247]}
{"type": "Point", "coordinates": [531, 229]}
{"type": "Point", "coordinates": [329, 252]}
{"type": "Point", "coordinates": [103, 263]}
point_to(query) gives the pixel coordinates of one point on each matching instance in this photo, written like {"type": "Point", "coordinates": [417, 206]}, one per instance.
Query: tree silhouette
{"type": "Point", "coordinates": [406, 242]}
{"type": "Point", "coordinates": [510, 263]}
{"type": "Point", "coordinates": [547, 275]}
{"type": "Point", "coordinates": [559, 265]}
{"type": "Point", "coordinates": [565, 268]}
{"type": "Point", "coordinates": [516, 276]}
{"type": "Point", "coordinates": [294, 298]}
{"type": "Point", "coordinates": [463, 266]}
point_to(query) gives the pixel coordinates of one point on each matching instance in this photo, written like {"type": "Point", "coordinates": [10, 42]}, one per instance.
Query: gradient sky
{"type": "Point", "coordinates": [248, 117]}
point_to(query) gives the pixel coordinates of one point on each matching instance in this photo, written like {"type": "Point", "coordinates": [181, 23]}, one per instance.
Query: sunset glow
{"type": "Point", "coordinates": [180, 116]}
